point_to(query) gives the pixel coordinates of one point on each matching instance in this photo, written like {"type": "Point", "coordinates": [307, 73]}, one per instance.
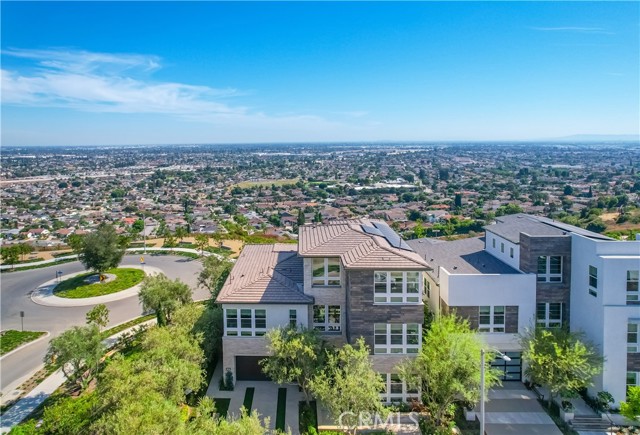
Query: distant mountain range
{"type": "Point", "coordinates": [597, 138]}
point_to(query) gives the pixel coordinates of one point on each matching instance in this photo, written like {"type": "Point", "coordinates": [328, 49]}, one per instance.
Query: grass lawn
{"type": "Point", "coordinates": [12, 339]}
{"type": "Point", "coordinates": [282, 408]}
{"type": "Point", "coordinates": [248, 399]}
{"type": "Point", "coordinates": [222, 406]}
{"type": "Point", "coordinates": [76, 287]}
{"type": "Point", "coordinates": [266, 183]}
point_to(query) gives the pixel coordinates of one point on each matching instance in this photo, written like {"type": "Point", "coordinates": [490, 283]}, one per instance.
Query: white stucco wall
{"type": "Point", "coordinates": [604, 318]}
{"type": "Point", "coordinates": [505, 256]}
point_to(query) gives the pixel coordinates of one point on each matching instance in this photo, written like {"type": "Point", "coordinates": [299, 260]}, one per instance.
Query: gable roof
{"type": "Point", "coordinates": [359, 245]}
{"type": "Point", "coordinates": [267, 274]}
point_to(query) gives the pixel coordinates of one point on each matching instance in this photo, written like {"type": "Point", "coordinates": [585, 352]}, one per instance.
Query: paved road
{"type": "Point", "coordinates": [15, 288]}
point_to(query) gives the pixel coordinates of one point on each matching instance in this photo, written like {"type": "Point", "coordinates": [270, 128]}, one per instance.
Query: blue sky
{"type": "Point", "coordinates": [206, 72]}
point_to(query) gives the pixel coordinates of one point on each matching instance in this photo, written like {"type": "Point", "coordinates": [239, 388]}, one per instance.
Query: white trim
{"type": "Point", "coordinates": [547, 275]}
{"type": "Point", "coordinates": [547, 321]}
{"type": "Point", "coordinates": [403, 396]}
{"type": "Point", "coordinates": [403, 348]}
{"type": "Point", "coordinates": [633, 295]}
{"type": "Point", "coordinates": [633, 346]}
{"type": "Point", "coordinates": [326, 278]}
{"type": "Point", "coordinates": [492, 326]}
{"type": "Point", "coordinates": [244, 331]}
{"type": "Point", "coordinates": [390, 297]}
{"type": "Point", "coordinates": [327, 326]}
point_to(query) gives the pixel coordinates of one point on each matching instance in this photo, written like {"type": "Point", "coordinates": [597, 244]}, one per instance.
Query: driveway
{"type": "Point", "coordinates": [15, 288]}
{"type": "Point", "coordinates": [265, 399]}
{"type": "Point", "coordinates": [514, 410]}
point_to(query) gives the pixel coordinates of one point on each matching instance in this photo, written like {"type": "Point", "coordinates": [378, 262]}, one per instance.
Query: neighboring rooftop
{"type": "Point", "coordinates": [360, 243]}
{"type": "Point", "coordinates": [269, 274]}
{"type": "Point", "coordinates": [510, 227]}
{"type": "Point", "coordinates": [464, 256]}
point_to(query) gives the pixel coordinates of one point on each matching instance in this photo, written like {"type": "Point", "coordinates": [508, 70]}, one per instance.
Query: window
{"type": "Point", "coordinates": [293, 318]}
{"type": "Point", "coordinates": [427, 287]}
{"type": "Point", "coordinates": [633, 379]}
{"type": "Point", "coordinates": [491, 319]}
{"type": "Point", "coordinates": [396, 287]}
{"type": "Point", "coordinates": [549, 315]}
{"type": "Point", "coordinates": [502, 247]}
{"type": "Point", "coordinates": [326, 318]}
{"type": "Point", "coordinates": [511, 252]}
{"type": "Point", "coordinates": [396, 338]}
{"type": "Point", "coordinates": [550, 268]}
{"type": "Point", "coordinates": [326, 272]}
{"type": "Point", "coordinates": [493, 243]}
{"type": "Point", "coordinates": [253, 322]}
{"type": "Point", "coordinates": [633, 345]}
{"type": "Point", "coordinates": [632, 286]}
{"type": "Point", "coordinates": [396, 390]}
{"type": "Point", "coordinates": [593, 281]}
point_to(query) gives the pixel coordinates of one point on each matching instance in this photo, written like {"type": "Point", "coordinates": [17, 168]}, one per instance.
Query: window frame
{"type": "Point", "coordinates": [633, 337]}
{"type": "Point", "coordinates": [406, 394]}
{"type": "Point", "coordinates": [327, 327]}
{"type": "Point", "coordinates": [325, 278]}
{"type": "Point", "coordinates": [293, 318]}
{"type": "Point", "coordinates": [390, 333]}
{"type": "Point", "coordinates": [240, 318]}
{"type": "Point", "coordinates": [492, 326]}
{"type": "Point", "coordinates": [636, 381]}
{"type": "Point", "coordinates": [633, 294]}
{"type": "Point", "coordinates": [593, 278]}
{"type": "Point", "coordinates": [547, 321]}
{"type": "Point", "coordinates": [547, 275]}
{"type": "Point", "coordinates": [389, 296]}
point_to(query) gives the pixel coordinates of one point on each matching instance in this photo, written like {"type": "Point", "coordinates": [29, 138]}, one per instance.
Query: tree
{"type": "Point", "coordinates": [160, 294]}
{"type": "Point", "coordinates": [457, 200]}
{"type": "Point", "coordinates": [24, 249]}
{"type": "Point", "coordinates": [76, 350]}
{"type": "Point", "coordinates": [447, 369]}
{"type": "Point", "coordinates": [562, 361]}
{"type": "Point", "coordinates": [301, 217]}
{"type": "Point", "coordinates": [98, 315]}
{"type": "Point", "coordinates": [297, 355]}
{"type": "Point", "coordinates": [568, 190]}
{"type": "Point", "coordinates": [10, 254]}
{"type": "Point", "coordinates": [75, 242]}
{"type": "Point", "coordinates": [631, 408]}
{"type": "Point", "coordinates": [419, 230]}
{"type": "Point", "coordinates": [181, 233]}
{"type": "Point", "coordinates": [170, 240]}
{"type": "Point", "coordinates": [202, 241]}
{"type": "Point", "coordinates": [349, 384]}
{"type": "Point", "coordinates": [102, 250]}
{"type": "Point", "coordinates": [213, 274]}
{"type": "Point", "coordinates": [138, 226]}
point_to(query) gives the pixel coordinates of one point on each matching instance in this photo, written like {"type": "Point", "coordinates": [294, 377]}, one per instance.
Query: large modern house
{"type": "Point", "coordinates": [356, 278]}
{"type": "Point", "coordinates": [531, 270]}
{"type": "Point", "coordinates": [346, 279]}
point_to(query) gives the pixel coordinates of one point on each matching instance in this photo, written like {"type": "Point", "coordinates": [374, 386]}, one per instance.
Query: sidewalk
{"type": "Point", "coordinates": [43, 295]}
{"type": "Point", "coordinates": [31, 401]}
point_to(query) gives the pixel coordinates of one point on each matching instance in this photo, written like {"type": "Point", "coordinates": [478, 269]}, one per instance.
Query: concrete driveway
{"type": "Point", "coordinates": [514, 410]}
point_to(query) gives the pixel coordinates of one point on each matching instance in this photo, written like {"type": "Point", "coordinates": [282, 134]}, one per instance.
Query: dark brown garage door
{"type": "Point", "coordinates": [248, 369]}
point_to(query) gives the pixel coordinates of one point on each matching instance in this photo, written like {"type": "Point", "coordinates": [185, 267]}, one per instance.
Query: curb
{"type": "Point", "coordinates": [47, 334]}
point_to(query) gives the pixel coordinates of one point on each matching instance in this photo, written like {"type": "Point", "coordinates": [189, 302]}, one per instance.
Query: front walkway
{"type": "Point", "coordinates": [265, 399]}
{"type": "Point", "coordinates": [514, 410]}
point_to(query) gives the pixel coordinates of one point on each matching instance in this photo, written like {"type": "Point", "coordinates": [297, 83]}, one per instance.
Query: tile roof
{"type": "Point", "coordinates": [268, 274]}
{"type": "Point", "coordinates": [357, 249]}
{"type": "Point", "coordinates": [464, 256]}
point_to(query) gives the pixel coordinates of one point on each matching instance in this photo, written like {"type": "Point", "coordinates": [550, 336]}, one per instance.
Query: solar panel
{"type": "Point", "coordinates": [392, 237]}
{"type": "Point", "coordinates": [371, 230]}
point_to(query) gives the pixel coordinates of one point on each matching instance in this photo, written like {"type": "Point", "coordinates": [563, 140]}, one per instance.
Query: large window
{"type": "Point", "coordinates": [549, 315]}
{"type": "Point", "coordinates": [633, 379]}
{"type": "Point", "coordinates": [632, 286]}
{"type": "Point", "coordinates": [633, 345]}
{"type": "Point", "coordinates": [593, 281]}
{"type": "Point", "coordinates": [326, 272]}
{"type": "Point", "coordinates": [326, 318]}
{"type": "Point", "coordinates": [395, 390]}
{"type": "Point", "coordinates": [396, 338]}
{"type": "Point", "coordinates": [550, 268]}
{"type": "Point", "coordinates": [251, 322]}
{"type": "Point", "coordinates": [396, 287]}
{"type": "Point", "coordinates": [491, 319]}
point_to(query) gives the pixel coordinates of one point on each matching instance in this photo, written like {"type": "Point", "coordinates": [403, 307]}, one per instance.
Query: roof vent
{"type": "Point", "coordinates": [455, 267]}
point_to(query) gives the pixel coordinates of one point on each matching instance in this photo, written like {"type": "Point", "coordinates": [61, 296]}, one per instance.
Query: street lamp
{"type": "Point", "coordinates": [482, 395]}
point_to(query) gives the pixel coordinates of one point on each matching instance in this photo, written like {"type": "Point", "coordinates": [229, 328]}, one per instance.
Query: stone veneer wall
{"type": "Point", "coordinates": [531, 247]}
{"type": "Point", "coordinates": [633, 362]}
{"type": "Point", "coordinates": [472, 314]}
{"type": "Point", "coordinates": [361, 313]}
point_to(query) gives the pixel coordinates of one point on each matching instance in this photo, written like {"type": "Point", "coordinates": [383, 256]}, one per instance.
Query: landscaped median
{"type": "Point", "coordinates": [12, 339]}
{"type": "Point", "coordinates": [77, 287]}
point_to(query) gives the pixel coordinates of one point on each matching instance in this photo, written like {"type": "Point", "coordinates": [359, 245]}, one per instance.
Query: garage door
{"type": "Point", "coordinates": [509, 370]}
{"type": "Point", "coordinates": [248, 369]}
